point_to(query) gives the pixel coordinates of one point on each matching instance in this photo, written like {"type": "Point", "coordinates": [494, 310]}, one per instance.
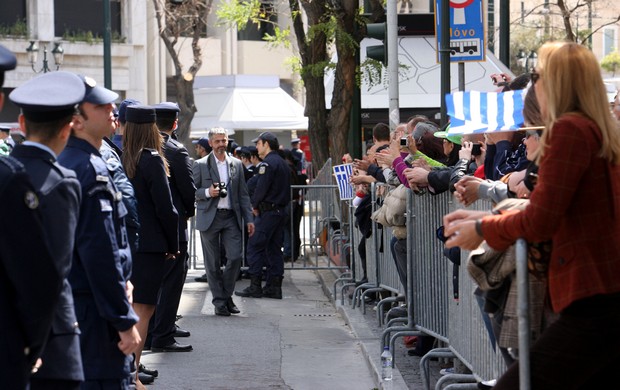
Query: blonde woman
{"type": "Point", "coordinates": [577, 205]}
{"type": "Point", "coordinates": [147, 169]}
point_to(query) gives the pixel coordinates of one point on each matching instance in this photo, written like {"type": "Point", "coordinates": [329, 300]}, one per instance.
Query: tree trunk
{"type": "Point", "coordinates": [313, 52]}
{"type": "Point", "coordinates": [185, 99]}
{"type": "Point", "coordinates": [344, 81]}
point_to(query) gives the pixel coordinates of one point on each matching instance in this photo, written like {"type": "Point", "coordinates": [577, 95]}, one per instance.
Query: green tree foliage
{"type": "Point", "coordinates": [611, 62]}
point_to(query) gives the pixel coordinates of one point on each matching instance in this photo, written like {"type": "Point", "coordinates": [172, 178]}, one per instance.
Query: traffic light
{"type": "Point", "coordinates": [377, 52]}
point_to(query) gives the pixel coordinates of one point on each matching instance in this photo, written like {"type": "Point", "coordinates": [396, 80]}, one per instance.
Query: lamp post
{"type": "Point", "coordinates": [33, 53]}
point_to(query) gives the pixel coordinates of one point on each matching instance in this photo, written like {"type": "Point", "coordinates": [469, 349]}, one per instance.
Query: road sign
{"type": "Point", "coordinates": [467, 30]}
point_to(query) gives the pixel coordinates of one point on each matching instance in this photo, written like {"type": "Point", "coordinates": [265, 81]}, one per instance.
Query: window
{"type": "Point", "coordinates": [85, 17]}
{"type": "Point", "coordinates": [609, 40]}
{"type": "Point", "coordinates": [256, 32]}
{"type": "Point", "coordinates": [13, 18]}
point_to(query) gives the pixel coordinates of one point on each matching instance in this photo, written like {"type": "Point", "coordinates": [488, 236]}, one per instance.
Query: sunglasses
{"type": "Point", "coordinates": [534, 76]}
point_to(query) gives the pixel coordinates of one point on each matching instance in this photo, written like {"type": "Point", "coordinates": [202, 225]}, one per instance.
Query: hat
{"type": "Point", "coordinates": [295, 140]}
{"type": "Point", "coordinates": [7, 59]}
{"type": "Point", "coordinates": [96, 94]}
{"type": "Point", "coordinates": [168, 110]}
{"type": "Point", "coordinates": [204, 142]}
{"type": "Point", "coordinates": [422, 128]}
{"type": "Point", "coordinates": [455, 139]}
{"type": "Point", "coordinates": [266, 137]}
{"type": "Point", "coordinates": [140, 114]}
{"type": "Point", "coordinates": [5, 129]}
{"type": "Point", "coordinates": [123, 108]}
{"type": "Point", "coordinates": [50, 96]}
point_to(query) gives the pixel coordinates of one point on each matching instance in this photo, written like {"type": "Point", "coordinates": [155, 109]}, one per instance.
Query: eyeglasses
{"type": "Point", "coordinates": [534, 76]}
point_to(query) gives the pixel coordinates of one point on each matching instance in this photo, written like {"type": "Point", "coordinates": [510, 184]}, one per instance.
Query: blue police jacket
{"type": "Point", "coordinates": [59, 196]}
{"type": "Point", "coordinates": [26, 309]}
{"type": "Point", "coordinates": [273, 183]}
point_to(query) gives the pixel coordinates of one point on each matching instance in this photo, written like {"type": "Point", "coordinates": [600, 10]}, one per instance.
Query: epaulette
{"type": "Point", "coordinates": [12, 164]}
{"type": "Point", "coordinates": [153, 152]}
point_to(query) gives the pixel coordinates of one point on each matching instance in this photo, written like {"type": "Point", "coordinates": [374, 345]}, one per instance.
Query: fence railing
{"type": "Point", "coordinates": [432, 307]}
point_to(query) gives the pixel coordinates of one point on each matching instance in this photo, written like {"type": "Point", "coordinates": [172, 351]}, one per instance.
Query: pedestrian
{"type": "Point", "coordinates": [101, 263]}
{"type": "Point", "coordinates": [269, 205]}
{"type": "Point", "coordinates": [223, 207]}
{"type": "Point", "coordinates": [579, 162]}
{"type": "Point", "coordinates": [148, 171]}
{"type": "Point", "coordinates": [31, 281]}
{"type": "Point", "coordinates": [202, 147]}
{"type": "Point", "coordinates": [164, 329]}
{"type": "Point", "coordinates": [47, 124]}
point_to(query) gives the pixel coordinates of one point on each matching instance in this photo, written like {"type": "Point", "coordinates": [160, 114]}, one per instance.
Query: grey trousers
{"type": "Point", "coordinates": [222, 282]}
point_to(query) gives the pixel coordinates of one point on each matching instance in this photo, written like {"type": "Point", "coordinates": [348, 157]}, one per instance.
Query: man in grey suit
{"type": "Point", "coordinates": [222, 206]}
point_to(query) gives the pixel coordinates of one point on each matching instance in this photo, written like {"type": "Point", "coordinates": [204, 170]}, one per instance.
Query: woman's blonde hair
{"type": "Point", "coordinates": [136, 137]}
{"type": "Point", "coordinates": [573, 84]}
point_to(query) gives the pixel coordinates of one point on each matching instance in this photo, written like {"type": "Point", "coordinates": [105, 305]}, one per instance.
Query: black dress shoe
{"type": "Point", "coordinates": [143, 369]}
{"type": "Point", "coordinates": [232, 308]}
{"type": "Point", "coordinates": [181, 332]}
{"type": "Point", "coordinates": [222, 310]}
{"type": "Point", "coordinates": [146, 379]}
{"type": "Point", "coordinates": [174, 347]}
{"type": "Point", "coordinates": [202, 278]}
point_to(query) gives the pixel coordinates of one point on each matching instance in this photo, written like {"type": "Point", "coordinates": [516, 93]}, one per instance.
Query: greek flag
{"type": "Point", "coordinates": [343, 174]}
{"type": "Point", "coordinates": [483, 112]}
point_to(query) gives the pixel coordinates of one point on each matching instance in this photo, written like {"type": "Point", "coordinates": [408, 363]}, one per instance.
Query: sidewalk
{"type": "Point", "coordinates": [300, 342]}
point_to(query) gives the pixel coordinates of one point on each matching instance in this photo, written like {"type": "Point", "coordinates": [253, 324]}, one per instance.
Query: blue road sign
{"type": "Point", "coordinates": [467, 30]}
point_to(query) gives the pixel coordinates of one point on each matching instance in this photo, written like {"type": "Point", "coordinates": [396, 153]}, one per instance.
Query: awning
{"type": "Point", "coordinates": [242, 102]}
{"type": "Point", "coordinates": [420, 83]}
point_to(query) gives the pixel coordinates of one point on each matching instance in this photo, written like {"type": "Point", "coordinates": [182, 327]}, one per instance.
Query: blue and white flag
{"type": "Point", "coordinates": [343, 175]}
{"type": "Point", "coordinates": [483, 112]}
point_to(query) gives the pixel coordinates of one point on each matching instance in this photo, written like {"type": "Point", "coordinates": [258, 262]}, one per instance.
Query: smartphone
{"type": "Point", "coordinates": [403, 141]}
{"type": "Point", "coordinates": [476, 150]}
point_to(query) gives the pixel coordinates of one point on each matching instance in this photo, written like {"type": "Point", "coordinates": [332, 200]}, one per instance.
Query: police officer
{"type": "Point", "coordinates": [101, 259]}
{"type": "Point", "coordinates": [183, 193]}
{"type": "Point", "coordinates": [269, 202]}
{"type": "Point", "coordinates": [47, 124]}
{"type": "Point", "coordinates": [31, 281]}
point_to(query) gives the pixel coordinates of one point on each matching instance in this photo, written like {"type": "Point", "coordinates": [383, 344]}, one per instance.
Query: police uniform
{"type": "Point", "coordinates": [101, 261]}
{"type": "Point", "coordinates": [158, 233]}
{"type": "Point", "coordinates": [30, 281]}
{"type": "Point", "coordinates": [111, 153]}
{"type": "Point", "coordinates": [183, 192]}
{"type": "Point", "coordinates": [271, 198]}
{"type": "Point", "coordinates": [59, 196]}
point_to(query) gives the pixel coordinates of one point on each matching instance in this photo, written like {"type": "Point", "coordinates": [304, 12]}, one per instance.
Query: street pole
{"type": "Point", "coordinates": [107, 52]}
{"type": "Point", "coordinates": [392, 43]}
{"type": "Point", "coordinates": [444, 57]}
{"type": "Point", "coordinates": [504, 32]}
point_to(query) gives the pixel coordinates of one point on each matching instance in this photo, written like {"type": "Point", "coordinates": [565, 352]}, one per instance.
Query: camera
{"type": "Point", "coordinates": [475, 150]}
{"type": "Point", "coordinates": [403, 141]}
{"type": "Point", "coordinates": [222, 187]}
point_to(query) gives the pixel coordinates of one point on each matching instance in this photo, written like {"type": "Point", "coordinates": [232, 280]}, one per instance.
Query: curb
{"type": "Point", "coordinates": [369, 342]}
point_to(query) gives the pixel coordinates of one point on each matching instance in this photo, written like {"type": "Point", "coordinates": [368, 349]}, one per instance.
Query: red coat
{"type": "Point", "coordinates": [576, 204]}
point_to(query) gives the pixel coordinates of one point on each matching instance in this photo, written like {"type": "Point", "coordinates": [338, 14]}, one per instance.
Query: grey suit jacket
{"type": "Point", "coordinates": [205, 174]}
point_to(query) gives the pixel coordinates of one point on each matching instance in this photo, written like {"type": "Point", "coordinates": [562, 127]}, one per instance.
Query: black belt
{"type": "Point", "coordinates": [224, 210]}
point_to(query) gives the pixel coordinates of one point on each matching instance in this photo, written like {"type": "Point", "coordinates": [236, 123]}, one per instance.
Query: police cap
{"type": "Point", "coordinates": [7, 59]}
{"type": "Point", "coordinates": [295, 141]}
{"type": "Point", "coordinates": [50, 96]}
{"type": "Point", "coordinates": [140, 114]}
{"type": "Point", "coordinates": [167, 110]}
{"type": "Point", "coordinates": [266, 137]}
{"type": "Point", "coordinates": [122, 108]}
{"type": "Point", "coordinates": [96, 94]}
{"type": "Point", "coordinates": [204, 142]}
{"type": "Point", "coordinates": [5, 129]}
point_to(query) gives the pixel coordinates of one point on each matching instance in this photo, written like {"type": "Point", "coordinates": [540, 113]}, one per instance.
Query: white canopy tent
{"type": "Point", "coordinates": [419, 82]}
{"type": "Point", "coordinates": [244, 102]}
